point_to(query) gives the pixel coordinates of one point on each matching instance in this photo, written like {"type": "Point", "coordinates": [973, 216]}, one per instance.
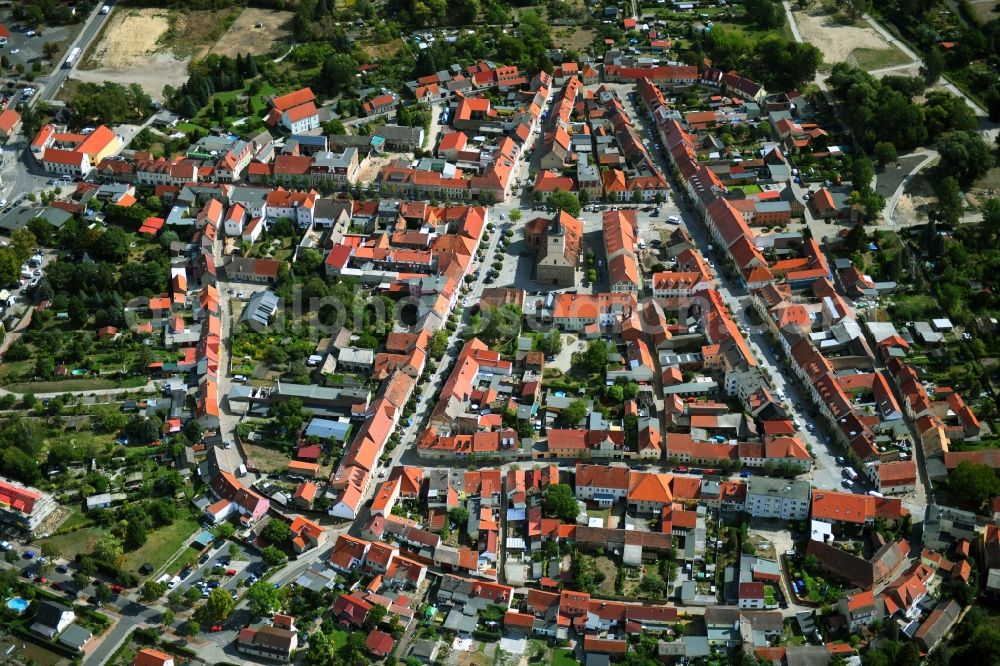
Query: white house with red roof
{"type": "Point", "coordinates": [296, 111]}
{"type": "Point", "coordinates": [72, 154]}
{"type": "Point", "coordinates": [298, 206]}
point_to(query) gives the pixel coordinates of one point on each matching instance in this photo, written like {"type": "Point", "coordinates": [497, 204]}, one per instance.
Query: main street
{"type": "Point", "coordinates": [54, 81]}
{"type": "Point", "coordinates": [827, 472]}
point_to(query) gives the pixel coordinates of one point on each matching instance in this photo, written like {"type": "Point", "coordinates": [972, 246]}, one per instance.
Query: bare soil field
{"type": "Point", "coordinates": [130, 39]}
{"type": "Point", "coordinates": [244, 35]}
{"type": "Point", "coordinates": [918, 198]}
{"type": "Point", "coordinates": [130, 51]}
{"type": "Point", "coordinates": [372, 166]}
{"type": "Point", "coordinates": [152, 74]}
{"type": "Point", "coordinates": [834, 39]}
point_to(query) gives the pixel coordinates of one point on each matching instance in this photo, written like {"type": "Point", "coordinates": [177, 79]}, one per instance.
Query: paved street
{"type": "Point", "coordinates": [55, 81]}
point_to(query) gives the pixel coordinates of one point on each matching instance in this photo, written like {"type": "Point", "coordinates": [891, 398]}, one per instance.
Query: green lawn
{"type": "Point", "coordinates": [67, 385]}
{"type": "Point", "coordinates": [76, 542]}
{"type": "Point", "coordinates": [563, 657]}
{"type": "Point", "coordinates": [188, 556]}
{"type": "Point", "coordinates": [206, 116]}
{"type": "Point", "coordinates": [161, 544]}
{"type": "Point", "coordinates": [339, 639]}
{"type": "Point", "coordinates": [747, 189]}
{"type": "Point", "coordinates": [189, 127]}
{"type": "Point", "coordinates": [15, 369]}
{"type": "Point", "coordinates": [77, 520]}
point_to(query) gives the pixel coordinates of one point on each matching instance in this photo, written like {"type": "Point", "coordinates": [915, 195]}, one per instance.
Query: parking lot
{"type": "Point", "coordinates": [213, 567]}
{"type": "Point", "coordinates": [26, 47]}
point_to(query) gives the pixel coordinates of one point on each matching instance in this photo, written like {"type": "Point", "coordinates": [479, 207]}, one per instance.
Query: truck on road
{"type": "Point", "coordinates": [71, 58]}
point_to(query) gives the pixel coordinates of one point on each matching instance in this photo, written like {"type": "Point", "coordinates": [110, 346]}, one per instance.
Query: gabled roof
{"type": "Point", "coordinates": [293, 99]}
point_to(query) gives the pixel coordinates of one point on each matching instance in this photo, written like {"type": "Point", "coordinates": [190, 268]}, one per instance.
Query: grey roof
{"type": "Point", "coordinates": [773, 206]}
{"type": "Point", "coordinates": [309, 140]}
{"type": "Point", "coordinates": [259, 310]}
{"type": "Point", "coordinates": [245, 195]}
{"type": "Point", "coordinates": [938, 623]}
{"type": "Point", "coordinates": [807, 655]}
{"type": "Point", "coordinates": [400, 134]}
{"type": "Point", "coordinates": [598, 660]}
{"type": "Point", "coordinates": [765, 485]}
{"type": "Point", "coordinates": [20, 217]}
{"type": "Point", "coordinates": [328, 429]}
{"type": "Point", "coordinates": [350, 141]}
{"type": "Point", "coordinates": [333, 160]}
{"type": "Point", "coordinates": [75, 636]}
{"type": "Point", "coordinates": [425, 649]}
{"type": "Point", "coordinates": [696, 646]}
{"type": "Point", "coordinates": [315, 580]}
{"type": "Point", "coordinates": [943, 526]}
{"type": "Point", "coordinates": [356, 356]}
{"type": "Point", "coordinates": [459, 619]}
{"type": "Point", "coordinates": [311, 392]}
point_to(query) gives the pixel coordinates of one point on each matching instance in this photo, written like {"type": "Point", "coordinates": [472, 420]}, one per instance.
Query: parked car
{"type": "Point", "coordinates": [230, 572]}
{"type": "Point", "coordinates": [29, 555]}
{"type": "Point", "coordinates": [216, 628]}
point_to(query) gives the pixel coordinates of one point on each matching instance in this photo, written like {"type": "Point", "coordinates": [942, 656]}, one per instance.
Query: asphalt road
{"type": "Point", "coordinates": [55, 81]}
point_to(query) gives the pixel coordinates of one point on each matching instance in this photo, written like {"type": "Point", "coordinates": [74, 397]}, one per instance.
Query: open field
{"type": "Point", "coordinates": [563, 657]}
{"type": "Point", "coordinates": [244, 36]}
{"type": "Point", "coordinates": [835, 40]}
{"type": "Point", "coordinates": [130, 38]}
{"type": "Point", "coordinates": [572, 37]}
{"type": "Point", "coordinates": [610, 571]}
{"type": "Point", "coordinates": [161, 544]}
{"type": "Point", "coordinates": [266, 458]}
{"type": "Point", "coordinates": [152, 75]}
{"type": "Point", "coordinates": [65, 385]}
{"type": "Point", "coordinates": [384, 51]}
{"type": "Point", "coordinates": [872, 59]}
{"type": "Point", "coordinates": [73, 543]}
{"type": "Point", "coordinates": [985, 10]}
{"type": "Point", "coordinates": [152, 47]}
